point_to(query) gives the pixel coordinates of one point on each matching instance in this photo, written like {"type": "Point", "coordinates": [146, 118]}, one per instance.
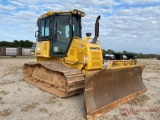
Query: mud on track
{"type": "Point", "coordinates": [22, 101]}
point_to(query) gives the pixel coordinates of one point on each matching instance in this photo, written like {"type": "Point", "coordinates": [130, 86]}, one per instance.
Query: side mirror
{"type": "Point", "coordinates": [36, 35]}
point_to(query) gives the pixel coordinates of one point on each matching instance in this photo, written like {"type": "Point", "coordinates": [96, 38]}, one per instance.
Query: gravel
{"type": "Point", "coordinates": [22, 101]}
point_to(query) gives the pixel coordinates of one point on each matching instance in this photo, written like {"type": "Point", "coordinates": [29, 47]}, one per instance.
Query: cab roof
{"type": "Point", "coordinates": [74, 12]}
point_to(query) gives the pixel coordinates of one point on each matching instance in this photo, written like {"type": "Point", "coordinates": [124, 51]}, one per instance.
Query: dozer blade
{"type": "Point", "coordinates": [110, 88]}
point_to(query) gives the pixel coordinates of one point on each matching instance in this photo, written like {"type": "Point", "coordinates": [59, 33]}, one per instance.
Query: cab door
{"type": "Point", "coordinates": [62, 35]}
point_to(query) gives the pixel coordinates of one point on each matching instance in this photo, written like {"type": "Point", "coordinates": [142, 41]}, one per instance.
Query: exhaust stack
{"type": "Point", "coordinates": [96, 30]}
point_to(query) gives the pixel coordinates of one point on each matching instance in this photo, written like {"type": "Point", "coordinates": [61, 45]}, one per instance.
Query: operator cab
{"type": "Point", "coordinates": [59, 28]}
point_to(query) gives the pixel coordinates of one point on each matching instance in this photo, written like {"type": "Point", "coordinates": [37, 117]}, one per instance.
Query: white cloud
{"type": "Point", "coordinates": [6, 8]}
{"type": "Point", "coordinates": [121, 28]}
{"type": "Point", "coordinates": [131, 2]}
{"type": "Point", "coordinates": [17, 4]}
{"type": "Point", "coordinates": [99, 2]}
{"type": "Point", "coordinates": [33, 2]}
{"type": "Point", "coordinates": [33, 8]}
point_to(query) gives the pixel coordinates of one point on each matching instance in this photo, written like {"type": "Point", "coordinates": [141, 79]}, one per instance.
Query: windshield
{"type": "Point", "coordinates": [62, 34]}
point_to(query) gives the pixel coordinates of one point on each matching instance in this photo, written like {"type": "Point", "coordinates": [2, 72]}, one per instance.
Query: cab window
{"type": "Point", "coordinates": [44, 27]}
{"type": "Point", "coordinates": [76, 26]}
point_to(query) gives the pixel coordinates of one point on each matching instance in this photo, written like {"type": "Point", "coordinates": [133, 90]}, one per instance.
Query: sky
{"type": "Point", "coordinates": [125, 25]}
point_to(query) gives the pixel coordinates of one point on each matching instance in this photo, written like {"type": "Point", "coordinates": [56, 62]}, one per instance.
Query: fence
{"type": "Point", "coordinates": [8, 51]}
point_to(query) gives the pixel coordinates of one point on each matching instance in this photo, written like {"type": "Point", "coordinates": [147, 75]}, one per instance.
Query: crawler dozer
{"type": "Point", "coordinates": [67, 65]}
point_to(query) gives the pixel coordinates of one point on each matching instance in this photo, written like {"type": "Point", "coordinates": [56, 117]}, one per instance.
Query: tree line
{"type": "Point", "coordinates": [16, 43]}
{"type": "Point", "coordinates": [28, 44]}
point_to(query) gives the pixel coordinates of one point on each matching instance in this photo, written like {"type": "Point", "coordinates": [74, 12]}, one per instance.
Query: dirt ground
{"type": "Point", "coordinates": [22, 101]}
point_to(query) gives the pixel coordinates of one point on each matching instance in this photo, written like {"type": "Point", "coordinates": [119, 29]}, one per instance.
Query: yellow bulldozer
{"type": "Point", "coordinates": [67, 65]}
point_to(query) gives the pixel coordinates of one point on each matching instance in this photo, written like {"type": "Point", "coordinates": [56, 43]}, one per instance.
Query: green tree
{"type": "Point", "coordinates": [125, 52]}
{"type": "Point", "coordinates": [104, 52]}
{"type": "Point", "coordinates": [110, 51]}
{"type": "Point", "coordinates": [16, 43]}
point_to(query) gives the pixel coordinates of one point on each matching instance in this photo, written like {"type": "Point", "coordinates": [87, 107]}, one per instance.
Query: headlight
{"type": "Point", "coordinates": [82, 14]}
{"type": "Point", "coordinates": [85, 58]}
{"type": "Point", "coordinates": [79, 12]}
